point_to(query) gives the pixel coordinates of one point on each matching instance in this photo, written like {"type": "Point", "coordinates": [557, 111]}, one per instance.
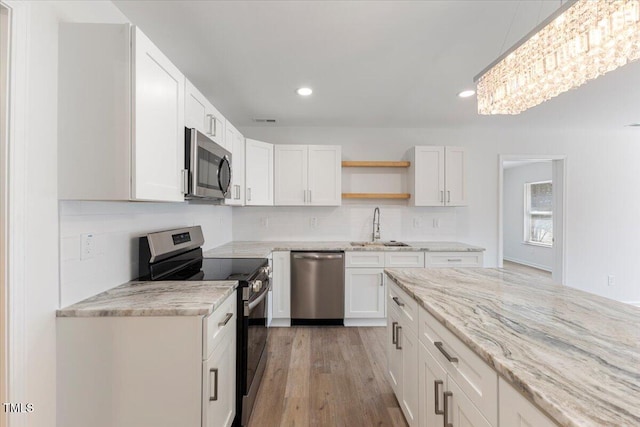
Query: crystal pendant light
{"type": "Point", "coordinates": [584, 39]}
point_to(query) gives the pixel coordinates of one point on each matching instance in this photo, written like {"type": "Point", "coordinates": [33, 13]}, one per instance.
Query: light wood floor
{"type": "Point", "coordinates": [509, 265]}
{"type": "Point", "coordinates": [326, 376]}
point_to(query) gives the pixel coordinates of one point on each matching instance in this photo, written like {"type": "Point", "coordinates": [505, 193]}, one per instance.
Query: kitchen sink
{"type": "Point", "coordinates": [391, 243]}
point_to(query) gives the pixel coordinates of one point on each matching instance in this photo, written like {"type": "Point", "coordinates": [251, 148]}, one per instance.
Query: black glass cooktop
{"type": "Point", "coordinates": [240, 269]}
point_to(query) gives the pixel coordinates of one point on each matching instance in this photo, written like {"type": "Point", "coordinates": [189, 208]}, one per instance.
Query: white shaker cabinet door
{"type": "Point", "coordinates": [219, 383]}
{"type": "Point", "coordinates": [432, 383]}
{"type": "Point", "coordinates": [195, 108]}
{"type": "Point", "coordinates": [394, 354]}
{"type": "Point", "coordinates": [408, 342]}
{"type": "Point", "coordinates": [461, 412]}
{"type": "Point", "coordinates": [290, 181]}
{"type": "Point", "coordinates": [364, 293]}
{"type": "Point", "coordinates": [158, 143]}
{"type": "Point", "coordinates": [428, 167]}
{"type": "Point", "coordinates": [258, 173]}
{"type": "Point", "coordinates": [455, 176]}
{"type": "Point", "coordinates": [325, 175]}
{"type": "Point", "coordinates": [235, 138]}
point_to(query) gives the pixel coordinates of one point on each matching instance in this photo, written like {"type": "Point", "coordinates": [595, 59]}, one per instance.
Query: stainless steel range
{"type": "Point", "coordinates": [177, 255]}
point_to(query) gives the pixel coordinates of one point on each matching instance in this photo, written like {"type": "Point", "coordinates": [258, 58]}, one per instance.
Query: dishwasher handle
{"type": "Point", "coordinates": [318, 256]}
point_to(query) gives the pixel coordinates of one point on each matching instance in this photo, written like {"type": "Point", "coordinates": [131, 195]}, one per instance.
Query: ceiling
{"type": "Point", "coordinates": [370, 63]}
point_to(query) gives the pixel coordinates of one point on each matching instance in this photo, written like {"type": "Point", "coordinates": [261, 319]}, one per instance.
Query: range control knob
{"type": "Point", "coordinates": [266, 270]}
{"type": "Point", "coordinates": [256, 285]}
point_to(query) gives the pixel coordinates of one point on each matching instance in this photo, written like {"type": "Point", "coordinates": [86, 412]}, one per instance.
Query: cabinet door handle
{"type": "Point", "coordinates": [394, 340]}
{"type": "Point", "coordinates": [215, 385]}
{"type": "Point", "coordinates": [215, 126]}
{"type": "Point", "coordinates": [210, 132]}
{"type": "Point", "coordinates": [454, 259]}
{"type": "Point", "coordinates": [185, 181]}
{"type": "Point", "coordinates": [401, 304]}
{"type": "Point", "coordinates": [447, 395]}
{"type": "Point", "coordinates": [381, 279]}
{"type": "Point", "coordinates": [448, 196]}
{"type": "Point", "coordinates": [436, 399]}
{"type": "Point", "coordinates": [248, 194]}
{"type": "Point", "coordinates": [398, 329]}
{"type": "Point", "coordinates": [309, 196]}
{"type": "Point", "coordinates": [440, 347]}
{"type": "Point", "coordinates": [441, 196]}
{"type": "Point", "coordinates": [226, 320]}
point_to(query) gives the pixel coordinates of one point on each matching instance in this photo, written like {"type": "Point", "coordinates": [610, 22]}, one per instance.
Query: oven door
{"type": "Point", "coordinates": [256, 314]}
{"type": "Point", "coordinates": [209, 167]}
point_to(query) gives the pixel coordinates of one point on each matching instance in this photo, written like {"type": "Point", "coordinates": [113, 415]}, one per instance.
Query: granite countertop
{"type": "Point", "coordinates": [154, 299]}
{"type": "Point", "coordinates": [575, 354]}
{"type": "Point", "coordinates": [263, 249]}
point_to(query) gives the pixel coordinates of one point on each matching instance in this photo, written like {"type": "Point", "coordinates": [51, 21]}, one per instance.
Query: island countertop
{"type": "Point", "coordinates": [181, 298]}
{"type": "Point", "coordinates": [575, 354]}
{"type": "Point", "coordinates": [262, 249]}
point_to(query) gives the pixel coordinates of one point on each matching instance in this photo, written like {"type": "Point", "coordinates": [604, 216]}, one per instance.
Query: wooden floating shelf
{"type": "Point", "coordinates": [403, 196]}
{"type": "Point", "coordinates": [374, 164]}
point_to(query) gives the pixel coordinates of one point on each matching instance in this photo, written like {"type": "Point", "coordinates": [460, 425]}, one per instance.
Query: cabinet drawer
{"type": "Point", "coordinates": [364, 259]}
{"type": "Point", "coordinates": [216, 323]}
{"type": "Point", "coordinates": [474, 377]}
{"type": "Point", "coordinates": [406, 306]}
{"type": "Point", "coordinates": [453, 259]}
{"type": "Point", "coordinates": [404, 259]}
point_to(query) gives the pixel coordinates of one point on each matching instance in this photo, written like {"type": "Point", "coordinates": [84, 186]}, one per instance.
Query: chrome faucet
{"type": "Point", "coordinates": [376, 225]}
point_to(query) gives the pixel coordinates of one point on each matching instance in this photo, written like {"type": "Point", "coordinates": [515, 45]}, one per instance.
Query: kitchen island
{"type": "Point", "coordinates": [575, 355]}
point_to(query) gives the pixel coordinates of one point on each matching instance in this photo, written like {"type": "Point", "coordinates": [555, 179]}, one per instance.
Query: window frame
{"type": "Point", "coordinates": [528, 213]}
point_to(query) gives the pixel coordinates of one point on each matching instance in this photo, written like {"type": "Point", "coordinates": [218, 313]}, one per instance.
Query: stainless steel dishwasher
{"type": "Point", "coordinates": [317, 288]}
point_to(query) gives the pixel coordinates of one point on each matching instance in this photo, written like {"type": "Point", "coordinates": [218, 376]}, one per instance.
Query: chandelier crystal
{"type": "Point", "coordinates": [581, 41]}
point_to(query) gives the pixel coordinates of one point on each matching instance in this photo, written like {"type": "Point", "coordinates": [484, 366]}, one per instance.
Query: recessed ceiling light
{"type": "Point", "coordinates": [304, 91]}
{"type": "Point", "coordinates": [466, 93]}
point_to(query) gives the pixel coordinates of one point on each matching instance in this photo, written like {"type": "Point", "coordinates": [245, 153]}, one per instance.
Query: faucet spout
{"type": "Point", "coordinates": [375, 235]}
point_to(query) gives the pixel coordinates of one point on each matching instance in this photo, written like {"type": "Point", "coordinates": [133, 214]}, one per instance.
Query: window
{"type": "Point", "coordinates": [538, 213]}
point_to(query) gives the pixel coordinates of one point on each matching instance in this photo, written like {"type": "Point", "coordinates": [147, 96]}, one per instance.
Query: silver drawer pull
{"type": "Point", "coordinates": [440, 347]}
{"type": "Point", "coordinates": [447, 395]}
{"type": "Point", "coordinates": [226, 320]}
{"type": "Point", "coordinates": [215, 385]}
{"type": "Point", "coordinates": [394, 340]}
{"type": "Point", "coordinates": [454, 259]}
{"type": "Point", "coordinates": [437, 397]}
{"type": "Point", "coordinates": [398, 329]}
{"type": "Point", "coordinates": [397, 300]}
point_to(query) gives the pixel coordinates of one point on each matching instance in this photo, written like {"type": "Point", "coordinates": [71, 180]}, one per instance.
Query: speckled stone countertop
{"type": "Point", "coordinates": [154, 299]}
{"type": "Point", "coordinates": [575, 354]}
{"type": "Point", "coordinates": [263, 249]}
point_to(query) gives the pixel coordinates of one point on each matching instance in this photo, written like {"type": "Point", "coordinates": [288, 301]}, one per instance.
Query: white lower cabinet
{"type": "Point", "coordinates": [402, 359]}
{"type": "Point", "coordinates": [432, 381]}
{"type": "Point", "coordinates": [364, 293]}
{"type": "Point", "coordinates": [147, 371]}
{"type": "Point", "coordinates": [281, 288]}
{"type": "Point", "coordinates": [517, 411]}
{"type": "Point", "coordinates": [462, 412]}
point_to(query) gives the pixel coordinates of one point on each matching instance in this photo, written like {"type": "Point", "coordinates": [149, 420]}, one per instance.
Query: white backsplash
{"type": "Point", "coordinates": [349, 222]}
{"type": "Point", "coordinates": [116, 227]}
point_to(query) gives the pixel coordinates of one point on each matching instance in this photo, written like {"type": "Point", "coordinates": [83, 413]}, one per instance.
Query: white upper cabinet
{"type": "Point", "coordinates": [120, 116]}
{"type": "Point", "coordinates": [258, 173]}
{"type": "Point", "coordinates": [437, 176]}
{"type": "Point", "coordinates": [203, 116]}
{"type": "Point", "coordinates": [235, 141]}
{"type": "Point", "coordinates": [158, 142]}
{"type": "Point", "coordinates": [308, 175]}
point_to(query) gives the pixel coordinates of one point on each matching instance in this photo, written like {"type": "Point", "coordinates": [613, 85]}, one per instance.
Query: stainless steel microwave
{"type": "Point", "coordinates": [208, 167]}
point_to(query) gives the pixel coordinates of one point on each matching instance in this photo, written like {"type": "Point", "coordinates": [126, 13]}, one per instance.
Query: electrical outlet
{"type": "Point", "coordinates": [264, 221]}
{"type": "Point", "coordinates": [611, 280]}
{"type": "Point", "coordinates": [436, 222]}
{"type": "Point", "coordinates": [416, 222]}
{"type": "Point", "coordinates": [313, 222]}
{"type": "Point", "coordinates": [87, 246]}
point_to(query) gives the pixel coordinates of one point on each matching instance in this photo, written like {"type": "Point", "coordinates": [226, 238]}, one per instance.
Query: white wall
{"type": "Point", "coordinates": [602, 203]}
{"type": "Point", "coordinates": [513, 208]}
{"type": "Point", "coordinates": [116, 227]}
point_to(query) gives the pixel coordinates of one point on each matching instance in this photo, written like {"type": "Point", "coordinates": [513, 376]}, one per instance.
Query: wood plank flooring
{"type": "Point", "coordinates": [326, 377]}
{"type": "Point", "coordinates": [514, 266]}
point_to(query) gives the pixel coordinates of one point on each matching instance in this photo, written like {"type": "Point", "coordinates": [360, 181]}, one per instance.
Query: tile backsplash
{"type": "Point", "coordinates": [116, 227]}
{"type": "Point", "coordinates": [349, 222]}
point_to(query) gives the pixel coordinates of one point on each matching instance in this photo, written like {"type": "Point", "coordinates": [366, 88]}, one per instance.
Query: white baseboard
{"type": "Point", "coordinates": [365, 322]}
{"type": "Point", "coordinates": [528, 264]}
{"type": "Point", "coordinates": [280, 323]}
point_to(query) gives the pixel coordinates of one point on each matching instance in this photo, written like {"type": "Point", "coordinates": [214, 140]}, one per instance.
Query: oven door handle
{"type": "Point", "coordinates": [248, 306]}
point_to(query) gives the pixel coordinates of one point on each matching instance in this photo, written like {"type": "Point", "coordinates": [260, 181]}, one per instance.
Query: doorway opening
{"type": "Point", "coordinates": [532, 194]}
